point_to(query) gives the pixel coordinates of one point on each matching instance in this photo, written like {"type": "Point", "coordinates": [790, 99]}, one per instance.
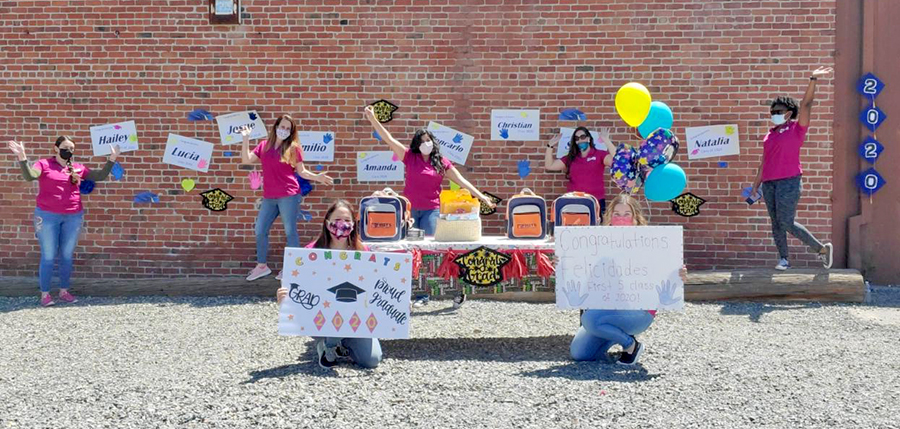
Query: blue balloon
{"type": "Point", "coordinates": [665, 182]}
{"type": "Point", "coordinates": [660, 116]}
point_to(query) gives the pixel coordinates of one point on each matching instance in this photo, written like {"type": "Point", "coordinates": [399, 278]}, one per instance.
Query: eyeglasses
{"type": "Point", "coordinates": [582, 137]}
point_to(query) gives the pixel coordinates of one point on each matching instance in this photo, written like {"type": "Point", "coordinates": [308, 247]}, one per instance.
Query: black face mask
{"type": "Point", "coordinates": [65, 154]}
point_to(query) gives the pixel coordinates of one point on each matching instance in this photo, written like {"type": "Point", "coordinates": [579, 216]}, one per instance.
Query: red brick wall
{"type": "Point", "coordinates": [67, 65]}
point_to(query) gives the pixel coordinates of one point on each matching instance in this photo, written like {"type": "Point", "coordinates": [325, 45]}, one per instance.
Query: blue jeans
{"type": "Point", "coordinates": [270, 208]}
{"type": "Point", "coordinates": [601, 329]}
{"type": "Point", "coordinates": [58, 235]}
{"type": "Point", "coordinates": [426, 220]}
{"type": "Point", "coordinates": [366, 352]}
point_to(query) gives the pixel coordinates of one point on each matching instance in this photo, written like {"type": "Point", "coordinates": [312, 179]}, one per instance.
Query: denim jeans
{"type": "Point", "coordinates": [270, 209]}
{"type": "Point", "coordinates": [425, 220]}
{"type": "Point", "coordinates": [601, 329]}
{"type": "Point", "coordinates": [58, 235]}
{"type": "Point", "coordinates": [366, 352]}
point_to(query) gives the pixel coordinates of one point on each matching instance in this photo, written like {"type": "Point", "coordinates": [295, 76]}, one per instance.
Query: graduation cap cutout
{"type": "Point", "coordinates": [86, 187]}
{"type": "Point", "coordinates": [199, 115]}
{"type": "Point", "coordinates": [572, 115]}
{"type": "Point", "coordinates": [216, 199]}
{"type": "Point", "coordinates": [146, 197]}
{"type": "Point", "coordinates": [482, 266]}
{"type": "Point", "coordinates": [487, 210]}
{"type": "Point", "coordinates": [346, 292]}
{"type": "Point", "coordinates": [687, 204]}
{"type": "Point", "coordinates": [384, 110]}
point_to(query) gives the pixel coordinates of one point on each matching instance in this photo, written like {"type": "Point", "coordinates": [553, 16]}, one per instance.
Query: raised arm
{"type": "Point", "coordinates": [18, 149]}
{"type": "Point", "coordinates": [247, 157]}
{"type": "Point", "coordinates": [809, 96]}
{"type": "Point", "coordinates": [398, 148]}
{"type": "Point", "coordinates": [102, 174]}
{"type": "Point", "coordinates": [610, 147]}
{"type": "Point", "coordinates": [550, 161]}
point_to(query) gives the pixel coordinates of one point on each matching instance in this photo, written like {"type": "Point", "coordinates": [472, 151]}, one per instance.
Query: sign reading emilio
{"type": "Point", "coordinates": [317, 146]}
{"type": "Point", "coordinates": [620, 267]}
{"type": "Point", "coordinates": [188, 153]}
{"type": "Point", "coordinates": [455, 146]}
{"type": "Point", "coordinates": [382, 166]}
{"type": "Point", "coordinates": [230, 126]}
{"type": "Point", "coordinates": [346, 294]}
{"type": "Point", "coordinates": [711, 141]}
{"type": "Point", "coordinates": [482, 266]}
{"type": "Point", "coordinates": [123, 134]}
{"type": "Point", "coordinates": [521, 125]}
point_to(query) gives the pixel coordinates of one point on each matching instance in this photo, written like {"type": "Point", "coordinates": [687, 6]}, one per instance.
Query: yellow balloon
{"type": "Point", "coordinates": [633, 103]}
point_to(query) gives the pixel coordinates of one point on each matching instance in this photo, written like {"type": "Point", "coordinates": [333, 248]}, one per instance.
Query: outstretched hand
{"type": "Point", "coordinates": [822, 71]}
{"type": "Point", "coordinates": [18, 149]}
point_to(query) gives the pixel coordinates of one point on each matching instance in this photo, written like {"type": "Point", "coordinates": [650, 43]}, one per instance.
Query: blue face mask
{"type": "Point", "coordinates": [584, 146]}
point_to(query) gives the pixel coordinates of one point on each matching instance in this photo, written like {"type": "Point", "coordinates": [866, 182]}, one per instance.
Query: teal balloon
{"type": "Point", "coordinates": [665, 182]}
{"type": "Point", "coordinates": [660, 116]}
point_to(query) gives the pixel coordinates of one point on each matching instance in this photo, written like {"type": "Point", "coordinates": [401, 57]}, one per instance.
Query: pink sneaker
{"type": "Point", "coordinates": [67, 297]}
{"type": "Point", "coordinates": [47, 301]}
{"type": "Point", "coordinates": [258, 272]}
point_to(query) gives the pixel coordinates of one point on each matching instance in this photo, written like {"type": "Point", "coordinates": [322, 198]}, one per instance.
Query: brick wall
{"type": "Point", "coordinates": [67, 65]}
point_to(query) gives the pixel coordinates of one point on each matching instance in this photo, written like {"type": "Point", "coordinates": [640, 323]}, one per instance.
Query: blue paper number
{"type": "Point", "coordinates": [872, 118]}
{"type": "Point", "coordinates": [870, 150]}
{"type": "Point", "coordinates": [869, 86]}
{"type": "Point", "coordinates": [869, 181]}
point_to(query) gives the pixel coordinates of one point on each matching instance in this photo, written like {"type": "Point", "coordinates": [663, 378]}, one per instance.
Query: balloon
{"type": "Point", "coordinates": [660, 116]}
{"type": "Point", "coordinates": [665, 182]}
{"type": "Point", "coordinates": [633, 103]}
{"type": "Point", "coordinates": [624, 170]}
{"type": "Point", "coordinates": [659, 148]}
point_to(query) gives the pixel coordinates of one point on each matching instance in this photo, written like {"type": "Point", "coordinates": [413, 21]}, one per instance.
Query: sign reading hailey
{"type": "Point", "coordinates": [188, 153]}
{"type": "Point", "coordinates": [382, 166]}
{"type": "Point", "coordinates": [455, 146]}
{"type": "Point", "coordinates": [345, 294]}
{"type": "Point", "coordinates": [565, 140]}
{"type": "Point", "coordinates": [317, 146]}
{"type": "Point", "coordinates": [620, 267]}
{"type": "Point", "coordinates": [230, 126]}
{"type": "Point", "coordinates": [520, 125]}
{"type": "Point", "coordinates": [123, 134]}
{"type": "Point", "coordinates": [714, 140]}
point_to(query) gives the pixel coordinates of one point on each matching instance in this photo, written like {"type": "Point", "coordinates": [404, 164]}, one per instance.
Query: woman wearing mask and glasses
{"type": "Point", "coordinates": [585, 165]}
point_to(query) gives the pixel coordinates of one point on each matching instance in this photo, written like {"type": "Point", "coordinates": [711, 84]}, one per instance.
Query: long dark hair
{"type": "Point", "coordinates": [292, 142]}
{"type": "Point", "coordinates": [324, 240]}
{"type": "Point", "coordinates": [73, 178]}
{"type": "Point", "coordinates": [573, 147]}
{"type": "Point", "coordinates": [435, 156]}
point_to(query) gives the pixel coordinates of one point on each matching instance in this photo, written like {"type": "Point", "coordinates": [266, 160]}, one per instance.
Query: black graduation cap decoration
{"type": "Point", "coordinates": [216, 199]}
{"type": "Point", "coordinates": [384, 110]}
{"type": "Point", "coordinates": [482, 266]}
{"type": "Point", "coordinates": [346, 292]}
{"type": "Point", "coordinates": [687, 204]}
{"type": "Point", "coordinates": [487, 210]}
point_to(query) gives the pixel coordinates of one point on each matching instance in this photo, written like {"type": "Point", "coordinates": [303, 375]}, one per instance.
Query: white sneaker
{"type": "Point", "coordinates": [827, 258]}
{"type": "Point", "coordinates": [783, 265]}
{"type": "Point", "coordinates": [327, 355]}
{"type": "Point", "coordinates": [258, 272]}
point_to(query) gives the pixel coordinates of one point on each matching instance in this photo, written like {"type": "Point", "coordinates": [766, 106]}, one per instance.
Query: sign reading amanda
{"type": "Point", "coordinates": [520, 125]}
{"type": "Point", "coordinates": [713, 140]}
{"type": "Point", "coordinates": [123, 134]}
{"type": "Point", "coordinates": [455, 146]}
{"type": "Point", "coordinates": [381, 166]}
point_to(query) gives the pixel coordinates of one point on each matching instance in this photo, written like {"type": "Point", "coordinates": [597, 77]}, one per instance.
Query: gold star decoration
{"type": "Point", "coordinates": [290, 317]}
{"type": "Point", "coordinates": [361, 278]}
{"type": "Point", "coordinates": [347, 268]}
{"type": "Point", "coordinates": [326, 304]}
{"type": "Point", "coordinates": [295, 273]}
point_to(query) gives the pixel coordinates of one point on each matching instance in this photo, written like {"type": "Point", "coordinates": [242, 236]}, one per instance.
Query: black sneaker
{"type": "Point", "coordinates": [327, 355]}
{"type": "Point", "coordinates": [458, 300]}
{"type": "Point", "coordinates": [342, 351]}
{"type": "Point", "coordinates": [629, 359]}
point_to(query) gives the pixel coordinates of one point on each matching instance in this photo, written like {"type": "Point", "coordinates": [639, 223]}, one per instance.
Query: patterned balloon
{"type": "Point", "coordinates": [624, 169]}
{"type": "Point", "coordinates": [659, 148]}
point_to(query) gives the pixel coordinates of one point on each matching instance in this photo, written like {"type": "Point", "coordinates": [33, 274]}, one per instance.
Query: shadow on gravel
{"type": "Point", "coordinates": [593, 371]}
{"type": "Point", "coordinates": [548, 348]}
{"type": "Point", "coordinates": [884, 296]}
{"type": "Point", "coordinates": [756, 310]}
{"type": "Point", "coordinates": [8, 305]}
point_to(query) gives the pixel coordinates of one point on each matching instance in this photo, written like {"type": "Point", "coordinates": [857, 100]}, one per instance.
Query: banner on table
{"type": "Point", "coordinates": [317, 146]}
{"type": "Point", "coordinates": [123, 134]}
{"type": "Point", "coordinates": [381, 166]}
{"type": "Point", "coordinates": [455, 145]}
{"type": "Point", "coordinates": [230, 126]}
{"type": "Point", "coordinates": [188, 153]}
{"type": "Point", "coordinates": [620, 267]}
{"type": "Point", "coordinates": [566, 139]}
{"type": "Point", "coordinates": [713, 140]}
{"type": "Point", "coordinates": [345, 294]}
{"type": "Point", "coordinates": [519, 125]}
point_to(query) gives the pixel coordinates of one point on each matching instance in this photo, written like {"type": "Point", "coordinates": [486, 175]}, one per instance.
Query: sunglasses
{"type": "Point", "coordinates": [582, 137]}
{"type": "Point", "coordinates": [777, 111]}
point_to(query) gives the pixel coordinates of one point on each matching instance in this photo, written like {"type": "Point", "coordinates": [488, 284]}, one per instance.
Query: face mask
{"type": "Point", "coordinates": [426, 148]}
{"type": "Point", "coordinates": [584, 146]}
{"type": "Point", "coordinates": [282, 133]}
{"type": "Point", "coordinates": [340, 228]}
{"type": "Point", "coordinates": [65, 154]}
{"type": "Point", "coordinates": [778, 119]}
{"type": "Point", "coordinates": [621, 221]}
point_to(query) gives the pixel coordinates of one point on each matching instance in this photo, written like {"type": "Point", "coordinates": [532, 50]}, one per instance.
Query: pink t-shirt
{"type": "Point", "coordinates": [312, 245]}
{"type": "Point", "coordinates": [586, 174]}
{"type": "Point", "coordinates": [278, 177]}
{"type": "Point", "coordinates": [423, 182]}
{"type": "Point", "coordinates": [781, 152]}
{"type": "Point", "coordinates": [55, 193]}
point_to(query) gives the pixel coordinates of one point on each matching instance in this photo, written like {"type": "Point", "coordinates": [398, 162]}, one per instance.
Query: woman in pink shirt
{"type": "Point", "coordinates": [280, 156]}
{"type": "Point", "coordinates": [585, 165]}
{"type": "Point", "coordinates": [425, 170]}
{"type": "Point", "coordinates": [779, 172]}
{"type": "Point", "coordinates": [59, 212]}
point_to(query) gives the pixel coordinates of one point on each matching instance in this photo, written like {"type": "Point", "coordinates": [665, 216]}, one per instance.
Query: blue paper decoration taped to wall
{"type": "Point", "coordinates": [872, 118]}
{"type": "Point", "coordinates": [869, 181]}
{"type": "Point", "coordinates": [86, 187]}
{"type": "Point", "coordinates": [869, 86]}
{"type": "Point", "coordinates": [870, 150]}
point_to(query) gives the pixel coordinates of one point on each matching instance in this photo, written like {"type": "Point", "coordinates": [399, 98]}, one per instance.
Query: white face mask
{"type": "Point", "coordinates": [778, 119]}
{"type": "Point", "coordinates": [426, 148]}
{"type": "Point", "coordinates": [282, 133]}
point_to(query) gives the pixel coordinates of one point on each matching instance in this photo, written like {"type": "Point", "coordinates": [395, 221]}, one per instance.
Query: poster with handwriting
{"type": "Point", "coordinates": [455, 145]}
{"type": "Point", "coordinates": [123, 134]}
{"type": "Point", "coordinates": [712, 141]}
{"type": "Point", "coordinates": [562, 149]}
{"type": "Point", "coordinates": [317, 146]}
{"type": "Point", "coordinates": [380, 166]}
{"type": "Point", "coordinates": [188, 153]}
{"type": "Point", "coordinates": [517, 125]}
{"type": "Point", "coordinates": [230, 126]}
{"type": "Point", "coordinates": [347, 294]}
{"type": "Point", "coordinates": [620, 267]}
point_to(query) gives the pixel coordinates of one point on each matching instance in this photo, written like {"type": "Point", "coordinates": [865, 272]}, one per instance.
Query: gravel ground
{"type": "Point", "coordinates": [217, 362]}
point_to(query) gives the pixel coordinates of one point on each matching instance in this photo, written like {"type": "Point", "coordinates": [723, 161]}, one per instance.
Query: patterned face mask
{"type": "Point", "coordinates": [340, 228]}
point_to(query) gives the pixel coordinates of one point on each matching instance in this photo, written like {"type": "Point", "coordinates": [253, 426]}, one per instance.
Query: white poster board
{"type": "Point", "coordinates": [455, 145]}
{"type": "Point", "coordinates": [518, 125]}
{"type": "Point", "coordinates": [123, 134]}
{"type": "Point", "coordinates": [566, 138]}
{"type": "Point", "coordinates": [188, 153]}
{"type": "Point", "coordinates": [380, 166]}
{"type": "Point", "coordinates": [230, 126]}
{"type": "Point", "coordinates": [712, 141]}
{"type": "Point", "coordinates": [620, 267]}
{"type": "Point", "coordinates": [317, 146]}
{"type": "Point", "coordinates": [346, 294]}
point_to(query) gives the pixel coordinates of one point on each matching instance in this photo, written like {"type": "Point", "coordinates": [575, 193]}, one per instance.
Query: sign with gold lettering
{"type": "Point", "coordinates": [482, 266]}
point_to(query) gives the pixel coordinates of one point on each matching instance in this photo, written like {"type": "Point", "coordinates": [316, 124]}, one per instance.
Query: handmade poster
{"type": "Point", "coordinates": [317, 146]}
{"type": "Point", "coordinates": [381, 166]}
{"type": "Point", "coordinates": [482, 266]}
{"type": "Point", "coordinates": [519, 125]}
{"type": "Point", "coordinates": [384, 110]}
{"type": "Point", "coordinates": [216, 200]}
{"type": "Point", "coordinates": [455, 146]}
{"type": "Point", "coordinates": [346, 294]}
{"type": "Point", "coordinates": [188, 153]}
{"type": "Point", "coordinates": [620, 267]}
{"type": "Point", "coordinates": [123, 134]}
{"type": "Point", "coordinates": [566, 138]}
{"type": "Point", "coordinates": [230, 126]}
{"type": "Point", "coordinates": [713, 140]}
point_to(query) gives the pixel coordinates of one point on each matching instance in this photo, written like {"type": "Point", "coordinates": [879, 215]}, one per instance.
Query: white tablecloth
{"type": "Point", "coordinates": [493, 242]}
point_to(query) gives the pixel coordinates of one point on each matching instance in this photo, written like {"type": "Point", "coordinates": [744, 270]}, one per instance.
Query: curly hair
{"type": "Point", "coordinates": [789, 103]}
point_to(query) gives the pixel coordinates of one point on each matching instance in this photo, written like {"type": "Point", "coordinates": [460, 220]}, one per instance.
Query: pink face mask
{"type": "Point", "coordinates": [340, 228]}
{"type": "Point", "coordinates": [622, 221]}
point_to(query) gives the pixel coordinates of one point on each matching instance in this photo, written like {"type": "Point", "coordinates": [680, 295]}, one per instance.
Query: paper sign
{"type": "Point", "coordinates": [566, 138]}
{"type": "Point", "coordinates": [123, 134]}
{"type": "Point", "coordinates": [346, 294]}
{"type": "Point", "coordinates": [455, 146]}
{"type": "Point", "coordinates": [230, 126]}
{"type": "Point", "coordinates": [518, 125]}
{"type": "Point", "coordinates": [379, 167]}
{"type": "Point", "coordinates": [713, 140]}
{"type": "Point", "coordinates": [482, 266]}
{"type": "Point", "coordinates": [188, 153]}
{"type": "Point", "coordinates": [317, 146]}
{"type": "Point", "coordinates": [620, 267]}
